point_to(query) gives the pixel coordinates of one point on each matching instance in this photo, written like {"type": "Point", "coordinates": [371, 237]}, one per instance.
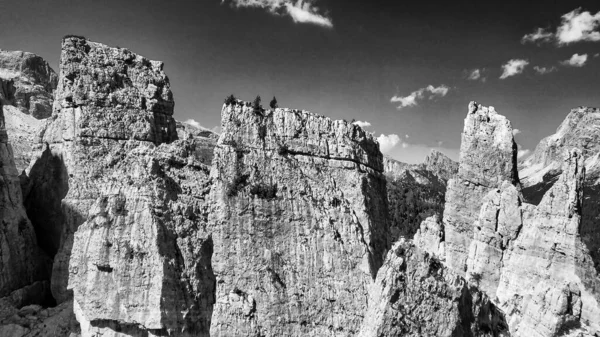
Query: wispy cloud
{"type": "Point", "coordinates": [362, 124]}
{"type": "Point", "coordinates": [575, 26]}
{"type": "Point", "coordinates": [513, 67]}
{"type": "Point", "coordinates": [301, 11]}
{"type": "Point", "coordinates": [545, 70]}
{"type": "Point", "coordinates": [516, 132]}
{"type": "Point", "coordinates": [475, 75]}
{"type": "Point", "coordinates": [411, 100]}
{"type": "Point", "coordinates": [388, 142]}
{"type": "Point", "coordinates": [575, 61]}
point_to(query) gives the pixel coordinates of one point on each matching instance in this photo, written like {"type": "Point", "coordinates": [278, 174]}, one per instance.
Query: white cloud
{"type": "Point", "coordinates": [405, 145]}
{"type": "Point", "coordinates": [513, 67]}
{"type": "Point", "coordinates": [576, 60]}
{"type": "Point", "coordinates": [539, 35]}
{"type": "Point", "coordinates": [474, 75]}
{"type": "Point", "coordinates": [388, 142]}
{"type": "Point", "coordinates": [194, 123]}
{"type": "Point", "coordinates": [406, 136]}
{"type": "Point", "coordinates": [597, 54]}
{"type": "Point", "coordinates": [516, 132]}
{"type": "Point", "coordinates": [544, 70]}
{"type": "Point", "coordinates": [301, 11]}
{"type": "Point", "coordinates": [411, 100]}
{"type": "Point", "coordinates": [523, 153]}
{"type": "Point", "coordinates": [575, 26]}
{"type": "Point", "coordinates": [362, 124]}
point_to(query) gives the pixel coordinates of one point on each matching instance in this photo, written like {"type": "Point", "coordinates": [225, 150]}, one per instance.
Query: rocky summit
{"type": "Point", "coordinates": [118, 220]}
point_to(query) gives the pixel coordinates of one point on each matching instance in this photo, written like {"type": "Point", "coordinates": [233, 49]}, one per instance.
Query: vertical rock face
{"type": "Point", "coordinates": [120, 201]}
{"type": "Point", "coordinates": [487, 159]}
{"type": "Point", "coordinates": [21, 262]}
{"type": "Point", "coordinates": [416, 192]}
{"type": "Point", "coordinates": [298, 220]}
{"type": "Point", "coordinates": [530, 259]}
{"type": "Point", "coordinates": [33, 82]}
{"type": "Point", "coordinates": [416, 295]}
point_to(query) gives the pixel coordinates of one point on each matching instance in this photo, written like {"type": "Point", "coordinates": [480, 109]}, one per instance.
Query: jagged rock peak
{"type": "Point", "coordinates": [32, 80]}
{"type": "Point", "coordinates": [488, 159]}
{"type": "Point", "coordinates": [299, 132]}
{"type": "Point", "coordinates": [488, 150]}
{"type": "Point", "coordinates": [112, 93]}
{"type": "Point", "coordinates": [441, 164]}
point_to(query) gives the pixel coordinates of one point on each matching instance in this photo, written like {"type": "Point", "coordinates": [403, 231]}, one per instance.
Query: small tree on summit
{"type": "Point", "coordinates": [230, 100]}
{"type": "Point", "coordinates": [256, 104]}
{"type": "Point", "coordinates": [273, 103]}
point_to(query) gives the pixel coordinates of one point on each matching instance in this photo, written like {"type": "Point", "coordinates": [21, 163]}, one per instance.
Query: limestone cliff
{"type": "Point", "coordinates": [33, 82]}
{"type": "Point", "coordinates": [530, 259]}
{"type": "Point", "coordinates": [542, 169]}
{"type": "Point", "coordinates": [416, 192]}
{"type": "Point", "coordinates": [298, 218]}
{"type": "Point", "coordinates": [120, 200]}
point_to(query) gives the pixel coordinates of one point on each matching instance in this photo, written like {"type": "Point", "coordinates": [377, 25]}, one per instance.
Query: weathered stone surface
{"type": "Point", "coordinates": [542, 169]}
{"type": "Point", "coordinates": [548, 282]}
{"type": "Point", "coordinates": [21, 262]}
{"type": "Point", "coordinates": [487, 159]}
{"type": "Point", "coordinates": [22, 129]}
{"type": "Point", "coordinates": [141, 262]}
{"type": "Point", "coordinates": [298, 218]}
{"type": "Point", "coordinates": [33, 81]}
{"type": "Point", "coordinates": [530, 259]}
{"type": "Point", "coordinates": [121, 201]}
{"type": "Point", "coordinates": [416, 295]}
{"type": "Point", "coordinates": [416, 192]}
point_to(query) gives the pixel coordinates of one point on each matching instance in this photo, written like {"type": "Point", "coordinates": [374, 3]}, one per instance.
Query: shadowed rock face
{"type": "Point", "coordinates": [530, 259]}
{"type": "Point", "coordinates": [416, 192]}
{"type": "Point", "coordinates": [21, 262]}
{"type": "Point", "coordinates": [298, 217]}
{"type": "Point", "coordinates": [33, 82]}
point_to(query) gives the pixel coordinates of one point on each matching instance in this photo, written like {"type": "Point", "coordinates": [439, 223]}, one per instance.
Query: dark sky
{"type": "Point", "coordinates": [374, 51]}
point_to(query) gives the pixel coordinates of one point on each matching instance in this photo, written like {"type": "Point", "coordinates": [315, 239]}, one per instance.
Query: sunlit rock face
{"type": "Point", "coordinates": [487, 160]}
{"type": "Point", "coordinates": [298, 220]}
{"type": "Point", "coordinates": [542, 169]}
{"type": "Point", "coordinates": [121, 200]}
{"type": "Point", "coordinates": [416, 191]}
{"type": "Point", "coordinates": [530, 259]}
{"type": "Point", "coordinates": [32, 80]}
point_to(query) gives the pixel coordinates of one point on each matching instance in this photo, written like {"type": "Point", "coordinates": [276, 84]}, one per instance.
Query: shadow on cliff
{"type": "Point", "coordinates": [43, 192]}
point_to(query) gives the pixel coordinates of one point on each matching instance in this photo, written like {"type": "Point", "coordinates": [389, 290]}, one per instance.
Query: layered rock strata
{"type": "Point", "coordinates": [32, 80]}
{"type": "Point", "coordinates": [298, 218]}
{"type": "Point", "coordinates": [120, 201]}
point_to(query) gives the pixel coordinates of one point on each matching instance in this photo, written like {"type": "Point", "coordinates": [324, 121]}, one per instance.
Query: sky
{"type": "Point", "coordinates": [406, 70]}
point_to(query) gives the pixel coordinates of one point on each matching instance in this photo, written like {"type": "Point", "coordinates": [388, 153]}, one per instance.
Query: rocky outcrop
{"type": "Point", "coordinates": [530, 259]}
{"type": "Point", "coordinates": [298, 218]}
{"type": "Point", "coordinates": [416, 295]}
{"type": "Point", "coordinates": [21, 262]}
{"type": "Point", "coordinates": [32, 80]}
{"type": "Point", "coordinates": [542, 169]}
{"type": "Point", "coordinates": [416, 191]}
{"type": "Point", "coordinates": [121, 200]}
{"type": "Point", "coordinates": [487, 159]}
